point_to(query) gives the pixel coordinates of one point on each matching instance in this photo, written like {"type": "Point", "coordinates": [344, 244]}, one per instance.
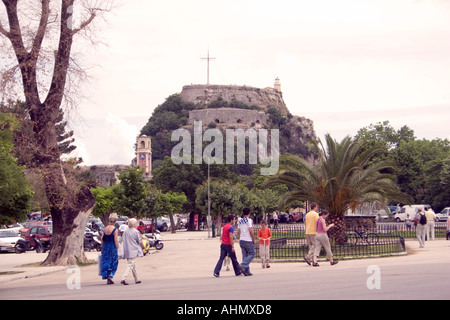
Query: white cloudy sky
{"type": "Point", "coordinates": [342, 63]}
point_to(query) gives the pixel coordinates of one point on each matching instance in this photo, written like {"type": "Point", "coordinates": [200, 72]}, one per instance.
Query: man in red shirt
{"type": "Point", "coordinates": [227, 248]}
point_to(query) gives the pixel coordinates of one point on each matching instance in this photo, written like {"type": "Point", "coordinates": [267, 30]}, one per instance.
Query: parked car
{"type": "Point", "coordinates": [8, 240]}
{"type": "Point", "coordinates": [162, 223]}
{"type": "Point", "coordinates": [145, 226]}
{"type": "Point", "coordinates": [42, 233]}
{"type": "Point", "coordinates": [443, 215]}
{"type": "Point", "coordinates": [13, 227]}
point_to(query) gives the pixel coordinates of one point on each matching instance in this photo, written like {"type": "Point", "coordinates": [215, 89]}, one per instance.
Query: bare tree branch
{"type": "Point", "coordinates": [37, 43]}
{"type": "Point", "coordinates": [85, 23]}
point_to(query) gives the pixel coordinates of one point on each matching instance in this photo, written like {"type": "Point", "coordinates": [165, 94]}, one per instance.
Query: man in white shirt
{"type": "Point", "coordinates": [246, 240]}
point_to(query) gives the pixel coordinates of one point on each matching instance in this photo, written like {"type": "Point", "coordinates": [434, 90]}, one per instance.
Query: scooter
{"type": "Point", "coordinates": [23, 245]}
{"type": "Point", "coordinates": [92, 241]}
{"type": "Point", "coordinates": [156, 241]}
{"type": "Point", "coordinates": [146, 243]}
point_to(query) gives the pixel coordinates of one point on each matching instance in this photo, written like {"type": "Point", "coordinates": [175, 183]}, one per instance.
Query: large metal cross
{"type": "Point", "coordinates": [207, 59]}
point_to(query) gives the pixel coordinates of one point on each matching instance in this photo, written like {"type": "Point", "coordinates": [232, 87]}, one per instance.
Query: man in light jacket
{"type": "Point", "coordinates": [132, 248]}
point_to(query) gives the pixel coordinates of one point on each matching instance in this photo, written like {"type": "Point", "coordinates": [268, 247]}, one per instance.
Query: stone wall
{"type": "Point", "coordinates": [106, 175]}
{"type": "Point", "coordinates": [263, 98]}
{"type": "Point", "coordinates": [227, 115]}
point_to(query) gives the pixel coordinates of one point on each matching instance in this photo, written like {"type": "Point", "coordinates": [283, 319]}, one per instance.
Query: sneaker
{"type": "Point", "coordinates": [124, 282]}
{"type": "Point", "coordinates": [216, 275]}
{"type": "Point", "coordinates": [307, 260]}
{"type": "Point", "coordinates": [333, 263]}
{"type": "Point", "coordinates": [267, 266]}
{"type": "Point", "coordinates": [315, 264]}
{"type": "Point", "coordinates": [109, 281]}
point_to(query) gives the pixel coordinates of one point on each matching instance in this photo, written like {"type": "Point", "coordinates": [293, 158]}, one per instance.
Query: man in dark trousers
{"type": "Point", "coordinates": [246, 240]}
{"type": "Point", "coordinates": [227, 248]}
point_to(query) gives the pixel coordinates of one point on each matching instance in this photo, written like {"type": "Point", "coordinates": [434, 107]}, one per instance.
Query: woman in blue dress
{"type": "Point", "coordinates": [110, 244]}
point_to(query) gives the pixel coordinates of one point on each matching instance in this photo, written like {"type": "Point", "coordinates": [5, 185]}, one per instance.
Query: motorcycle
{"type": "Point", "coordinates": [41, 246]}
{"type": "Point", "coordinates": [92, 241]}
{"type": "Point", "coordinates": [156, 241]}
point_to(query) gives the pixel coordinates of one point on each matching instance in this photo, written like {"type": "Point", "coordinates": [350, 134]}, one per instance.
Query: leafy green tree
{"type": "Point", "coordinates": [420, 164]}
{"type": "Point", "coordinates": [343, 179]}
{"type": "Point", "coordinates": [105, 199]}
{"type": "Point", "coordinates": [226, 198]}
{"type": "Point", "coordinates": [422, 170]}
{"type": "Point", "coordinates": [170, 203]}
{"type": "Point", "coordinates": [131, 193]}
{"type": "Point", "coordinates": [15, 191]}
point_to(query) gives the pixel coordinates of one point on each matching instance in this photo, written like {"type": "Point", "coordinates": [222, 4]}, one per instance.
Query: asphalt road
{"type": "Point", "coordinates": [183, 271]}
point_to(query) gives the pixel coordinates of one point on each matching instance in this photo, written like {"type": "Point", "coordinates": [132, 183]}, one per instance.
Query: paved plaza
{"type": "Point", "coordinates": [183, 271]}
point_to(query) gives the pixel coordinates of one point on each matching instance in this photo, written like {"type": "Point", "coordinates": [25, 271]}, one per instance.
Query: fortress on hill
{"type": "Point", "coordinates": [236, 107]}
{"type": "Point", "coordinates": [252, 112]}
{"type": "Point", "coordinates": [260, 99]}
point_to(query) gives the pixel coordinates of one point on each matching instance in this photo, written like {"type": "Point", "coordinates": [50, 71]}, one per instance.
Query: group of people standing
{"type": "Point", "coordinates": [246, 242]}
{"type": "Point", "coordinates": [316, 236]}
{"type": "Point", "coordinates": [131, 247]}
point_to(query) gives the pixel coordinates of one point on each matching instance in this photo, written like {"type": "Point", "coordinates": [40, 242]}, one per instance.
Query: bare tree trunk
{"type": "Point", "coordinates": [68, 225]}
{"type": "Point", "coordinates": [173, 227]}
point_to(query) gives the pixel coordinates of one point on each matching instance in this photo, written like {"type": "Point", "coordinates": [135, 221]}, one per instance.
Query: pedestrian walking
{"type": "Point", "coordinates": [448, 229]}
{"type": "Point", "coordinates": [322, 239]}
{"type": "Point", "coordinates": [132, 249]}
{"type": "Point", "coordinates": [227, 249]}
{"type": "Point", "coordinates": [430, 228]}
{"type": "Point", "coordinates": [246, 241]}
{"type": "Point", "coordinates": [110, 244]}
{"type": "Point", "coordinates": [275, 220]}
{"type": "Point", "coordinates": [264, 235]}
{"type": "Point", "coordinates": [420, 222]}
{"type": "Point", "coordinates": [310, 232]}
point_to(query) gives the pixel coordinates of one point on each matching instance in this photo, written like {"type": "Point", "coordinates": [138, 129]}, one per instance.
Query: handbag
{"type": "Point", "coordinates": [120, 252]}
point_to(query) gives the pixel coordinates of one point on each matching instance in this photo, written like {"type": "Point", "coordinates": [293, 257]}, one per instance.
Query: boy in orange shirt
{"type": "Point", "coordinates": [264, 235]}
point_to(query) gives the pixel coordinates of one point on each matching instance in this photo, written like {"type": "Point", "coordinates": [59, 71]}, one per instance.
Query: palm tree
{"type": "Point", "coordinates": [342, 179]}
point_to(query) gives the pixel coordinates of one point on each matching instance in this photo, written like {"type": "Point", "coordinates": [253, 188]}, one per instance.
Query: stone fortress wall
{"type": "Point", "coordinates": [263, 98]}
{"type": "Point", "coordinates": [227, 115]}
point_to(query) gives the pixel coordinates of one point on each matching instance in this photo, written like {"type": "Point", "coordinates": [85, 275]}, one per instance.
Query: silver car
{"type": "Point", "coordinates": [8, 240]}
{"type": "Point", "coordinates": [443, 216]}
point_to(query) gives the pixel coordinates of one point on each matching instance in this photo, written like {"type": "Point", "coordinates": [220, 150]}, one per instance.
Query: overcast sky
{"type": "Point", "coordinates": [342, 63]}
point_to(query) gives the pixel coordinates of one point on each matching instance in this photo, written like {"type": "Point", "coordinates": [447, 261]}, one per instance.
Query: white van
{"type": "Point", "coordinates": [409, 211]}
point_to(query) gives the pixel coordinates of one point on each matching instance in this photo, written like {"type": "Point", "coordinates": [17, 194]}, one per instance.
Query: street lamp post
{"type": "Point", "coordinates": [209, 209]}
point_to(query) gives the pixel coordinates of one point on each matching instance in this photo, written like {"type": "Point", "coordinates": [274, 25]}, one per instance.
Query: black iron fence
{"type": "Point", "coordinates": [288, 241]}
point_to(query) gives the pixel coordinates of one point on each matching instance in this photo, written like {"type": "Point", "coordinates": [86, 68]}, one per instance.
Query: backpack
{"type": "Point", "coordinates": [423, 219]}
